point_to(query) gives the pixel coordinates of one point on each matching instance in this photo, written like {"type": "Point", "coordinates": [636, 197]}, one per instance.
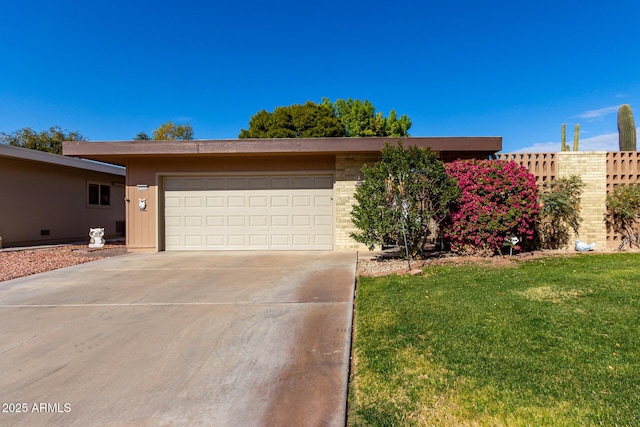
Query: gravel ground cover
{"type": "Point", "coordinates": [19, 263]}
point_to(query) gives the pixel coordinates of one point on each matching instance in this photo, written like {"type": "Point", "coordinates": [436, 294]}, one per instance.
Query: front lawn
{"type": "Point", "coordinates": [551, 342]}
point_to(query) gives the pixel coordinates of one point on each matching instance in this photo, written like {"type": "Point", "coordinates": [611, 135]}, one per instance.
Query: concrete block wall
{"type": "Point", "coordinates": [591, 166]}
{"type": "Point", "coordinates": [348, 173]}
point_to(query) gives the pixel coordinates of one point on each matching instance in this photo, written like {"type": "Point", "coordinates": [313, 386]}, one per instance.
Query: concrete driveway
{"type": "Point", "coordinates": [180, 338]}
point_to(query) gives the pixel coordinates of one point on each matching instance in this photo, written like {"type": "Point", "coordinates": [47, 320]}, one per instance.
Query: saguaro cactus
{"type": "Point", "coordinates": [564, 146]}
{"type": "Point", "coordinates": [576, 136]}
{"type": "Point", "coordinates": [626, 129]}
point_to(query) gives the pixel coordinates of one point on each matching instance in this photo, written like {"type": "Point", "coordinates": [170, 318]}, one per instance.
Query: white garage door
{"type": "Point", "coordinates": [248, 212]}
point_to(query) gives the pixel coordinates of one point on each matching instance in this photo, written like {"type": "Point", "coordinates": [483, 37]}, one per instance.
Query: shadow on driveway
{"type": "Point", "coordinates": [180, 338]}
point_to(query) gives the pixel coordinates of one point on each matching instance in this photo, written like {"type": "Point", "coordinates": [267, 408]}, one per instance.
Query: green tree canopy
{"type": "Point", "coordinates": [167, 131]}
{"type": "Point", "coordinates": [46, 140]}
{"type": "Point", "coordinates": [360, 119]}
{"type": "Point", "coordinates": [295, 121]}
{"type": "Point", "coordinates": [171, 131]}
{"type": "Point", "coordinates": [142, 136]}
{"type": "Point", "coordinates": [344, 118]}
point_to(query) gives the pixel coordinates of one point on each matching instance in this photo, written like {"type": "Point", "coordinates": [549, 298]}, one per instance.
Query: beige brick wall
{"type": "Point", "coordinates": [347, 175]}
{"type": "Point", "coordinates": [591, 166]}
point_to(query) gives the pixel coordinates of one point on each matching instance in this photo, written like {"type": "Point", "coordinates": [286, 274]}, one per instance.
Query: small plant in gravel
{"type": "Point", "coordinates": [499, 199]}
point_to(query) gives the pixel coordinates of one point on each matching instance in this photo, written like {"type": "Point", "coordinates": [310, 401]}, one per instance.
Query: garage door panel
{"type": "Point", "coordinates": [322, 200]}
{"type": "Point", "coordinates": [323, 240]}
{"type": "Point", "coordinates": [193, 221]}
{"type": "Point", "coordinates": [257, 241]}
{"type": "Point", "coordinates": [281, 240]}
{"type": "Point", "coordinates": [323, 182]}
{"type": "Point", "coordinates": [301, 240]}
{"type": "Point", "coordinates": [282, 183]}
{"type": "Point", "coordinates": [302, 182]}
{"type": "Point", "coordinates": [259, 221]}
{"type": "Point", "coordinates": [261, 183]}
{"type": "Point", "coordinates": [193, 201]}
{"type": "Point", "coordinates": [258, 201]}
{"type": "Point", "coordinates": [279, 220]}
{"type": "Point", "coordinates": [304, 201]}
{"type": "Point", "coordinates": [215, 201]}
{"type": "Point", "coordinates": [236, 221]}
{"type": "Point", "coordinates": [173, 221]}
{"type": "Point", "coordinates": [173, 202]}
{"type": "Point", "coordinates": [193, 184]}
{"type": "Point", "coordinates": [301, 220]}
{"type": "Point", "coordinates": [264, 212]}
{"type": "Point", "coordinates": [215, 183]}
{"type": "Point", "coordinates": [280, 201]}
{"type": "Point", "coordinates": [215, 240]}
{"type": "Point", "coordinates": [236, 183]}
{"type": "Point", "coordinates": [236, 201]}
{"type": "Point", "coordinates": [323, 220]}
{"type": "Point", "coordinates": [237, 241]}
{"type": "Point", "coordinates": [215, 221]}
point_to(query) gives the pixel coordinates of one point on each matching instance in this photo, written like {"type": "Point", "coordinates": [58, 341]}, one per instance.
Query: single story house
{"type": "Point", "coordinates": [47, 198]}
{"type": "Point", "coordinates": [251, 194]}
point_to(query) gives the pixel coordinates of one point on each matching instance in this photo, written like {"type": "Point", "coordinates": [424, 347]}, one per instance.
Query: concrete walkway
{"type": "Point", "coordinates": [182, 338]}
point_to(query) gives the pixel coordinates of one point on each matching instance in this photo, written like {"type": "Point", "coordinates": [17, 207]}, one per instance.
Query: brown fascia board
{"type": "Point", "coordinates": [123, 149]}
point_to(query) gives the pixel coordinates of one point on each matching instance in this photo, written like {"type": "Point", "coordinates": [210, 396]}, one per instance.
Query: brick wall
{"type": "Point", "coordinates": [601, 172]}
{"type": "Point", "coordinates": [591, 166]}
{"type": "Point", "coordinates": [542, 165]}
{"type": "Point", "coordinates": [347, 176]}
{"type": "Point", "coordinates": [623, 167]}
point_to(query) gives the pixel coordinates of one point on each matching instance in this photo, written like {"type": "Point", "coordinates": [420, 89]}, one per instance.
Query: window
{"type": "Point", "coordinates": [99, 195]}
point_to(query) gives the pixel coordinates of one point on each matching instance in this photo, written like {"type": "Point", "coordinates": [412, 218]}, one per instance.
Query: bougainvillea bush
{"type": "Point", "coordinates": [499, 199]}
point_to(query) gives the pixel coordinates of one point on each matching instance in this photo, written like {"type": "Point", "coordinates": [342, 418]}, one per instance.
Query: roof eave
{"type": "Point", "coordinates": [121, 150]}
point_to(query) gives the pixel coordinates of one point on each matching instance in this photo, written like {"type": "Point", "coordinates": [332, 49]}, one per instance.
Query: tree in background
{"type": "Point", "coordinates": [626, 129]}
{"type": "Point", "coordinates": [560, 201]}
{"type": "Point", "coordinates": [360, 119]}
{"type": "Point", "coordinates": [411, 182]}
{"type": "Point", "coordinates": [311, 120]}
{"type": "Point", "coordinates": [169, 131]}
{"type": "Point", "coordinates": [295, 121]}
{"type": "Point", "coordinates": [46, 140]}
{"type": "Point", "coordinates": [142, 136]}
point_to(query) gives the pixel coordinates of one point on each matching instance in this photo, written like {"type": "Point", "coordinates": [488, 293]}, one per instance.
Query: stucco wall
{"type": "Point", "coordinates": [37, 197]}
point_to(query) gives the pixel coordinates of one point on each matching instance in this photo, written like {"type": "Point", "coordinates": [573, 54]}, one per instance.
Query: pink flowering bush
{"type": "Point", "coordinates": [499, 199]}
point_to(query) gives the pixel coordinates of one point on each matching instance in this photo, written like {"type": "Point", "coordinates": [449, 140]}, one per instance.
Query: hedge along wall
{"type": "Point", "coordinates": [600, 171]}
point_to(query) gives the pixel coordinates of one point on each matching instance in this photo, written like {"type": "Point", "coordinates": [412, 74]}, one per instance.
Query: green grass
{"type": "Point", "coordinates": [551, 342]}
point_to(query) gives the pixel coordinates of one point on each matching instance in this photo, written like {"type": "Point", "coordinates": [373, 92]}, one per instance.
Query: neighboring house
{"type": "Point", "coordinates": [250, 194]}
{"type": "Point", "coordinates": [47, 198]}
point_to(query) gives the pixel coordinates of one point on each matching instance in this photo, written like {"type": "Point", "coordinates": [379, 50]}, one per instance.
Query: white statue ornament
{"type": "Point", "coordinates": [583, 247]}
{"type": "Point", "coordinates": [142, 204]}
{"type": "Point", "coordinates": [96, 237]}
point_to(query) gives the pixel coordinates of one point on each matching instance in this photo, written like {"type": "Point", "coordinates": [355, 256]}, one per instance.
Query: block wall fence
{"type": "Point", "coordinates": [600, 171]}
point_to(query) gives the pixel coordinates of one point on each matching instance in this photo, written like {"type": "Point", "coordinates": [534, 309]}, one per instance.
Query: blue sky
{"type": "Point", "coordinates": [468, 68]}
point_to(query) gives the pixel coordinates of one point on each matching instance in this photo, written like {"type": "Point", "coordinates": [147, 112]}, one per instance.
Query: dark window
{"type": "Point", "coordinates": [99, 195]}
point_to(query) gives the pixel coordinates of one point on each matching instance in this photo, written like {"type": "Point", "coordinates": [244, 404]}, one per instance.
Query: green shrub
{"type": "Point", "coordinates": [560, 200]}
{"type": "Point", "coordinates": [623, 213]}
{"type": "Point", "coordinates": [414, 178]}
